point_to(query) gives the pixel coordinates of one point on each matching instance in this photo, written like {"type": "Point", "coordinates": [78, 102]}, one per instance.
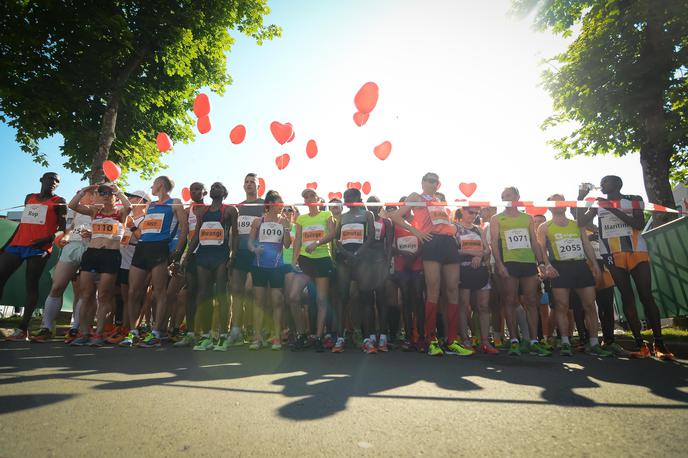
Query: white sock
{"type": "Point", "coordinates": [533, 341]}
{"type": "Point", "coordinates": [383, 337]}
{"type": "Point", "coordinates": [372, 338]}
{"type": "Point", "coordinates": [75, 315]}
{"type": "Point", "coordinates": [236, 330]}
{"type": "Point", "coordinates": [50, 310]}
{"type": "Point", "coordinates": [565, 340]}
{"type": "Point", "coordinates": [156, 334]}
{"type": "Point", "coordinates": [135, 332]}
{"type": "Point", "coordinates": [594, 341]}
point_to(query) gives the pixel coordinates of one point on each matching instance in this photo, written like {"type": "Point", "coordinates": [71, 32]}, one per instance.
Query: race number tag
{"type": "Point", "coordinates": [596, 248]}
{"type": "Point", "coordinates": [152, 223]}
{"type": "Point", "coordinates": [570, 248]}
{"type": "Point", "coordinates": [517, 239]}
{"type": "Point", "coordinates": [126, 237]}
{"type": "Point", "coordinates": [408, 243]}
{"type": "Point", "coordinates": [211, 234]}
{"type": "Point", "coordinates": [244, 223]}
{"type": "Point", "coordinates": [612, 226]}
{"type": "Point", "coordinates": [271, 233]}
{"type": "Point", "coordinates": [311, 234]}
{"type": "Point", "coordinates": [471, 244]}
{"type": "Point", "coordinates": [438, 215]}
{"type": "Point", "coordinates": [34, 214]}
{"type": "Point", "coordinates": [352, 233]}
{"type": "Point", "coordinates": [105, 228]}
{"type": "Point", "coordinates": [378, 230]}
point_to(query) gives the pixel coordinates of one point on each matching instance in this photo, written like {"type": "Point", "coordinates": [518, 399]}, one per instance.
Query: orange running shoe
{"type": "Point", "coordinates": [119, 335]}
{"type": "Point", "coordinates": [488, 349]}
{"type": "Point", "coordinates": [43, 335]}
{"type": "Point", "coordinates": [644, 352]}
{"type": "Point", "coordinates": [662, 353]}
{"type": "Point", "coordinates": [18, 335]}
{"type": "Point", "coordinates": [71, 335]}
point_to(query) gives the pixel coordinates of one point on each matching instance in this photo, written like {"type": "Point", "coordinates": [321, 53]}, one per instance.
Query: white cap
{"type": "Point", "coordinates": [142, 194]}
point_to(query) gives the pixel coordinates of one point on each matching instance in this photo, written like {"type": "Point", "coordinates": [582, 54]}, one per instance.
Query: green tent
{"type": "Point", "coordinates": [15, 289]}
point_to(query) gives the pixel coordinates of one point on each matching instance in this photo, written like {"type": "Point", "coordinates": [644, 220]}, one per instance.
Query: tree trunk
{"type": "Point", "coordinates": [656, 151]}
{"type": "Point", "coordinates": [109, 123]}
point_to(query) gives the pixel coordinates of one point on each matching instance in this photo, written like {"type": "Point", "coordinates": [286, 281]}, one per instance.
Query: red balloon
{"type": "Point", "coordinates": [201, 106]}
{"type": "Point", "coordinates": [261, 187]}
{"type": "Point", "coordinates": [237, 134]}
{"type": "Point", "coordinates": [360, 118]}
{"type": "Point", "coordinates": [366, 188]}
{"type": "Point", "coordinates": [467, 188]}
{"type": "Point", "coordinates": [282, 161]}
{"type": "Point", "coordinates": [111, 170]}
{"type": "Point", "coordinates": [366, 97]}
{"type": "Point", "coordinates": [203, 124]}
{"type": "Point", "coordinates": [354, 185]}
{"type": "Point", "coordinates": [382, 150]}
{"type": "Point", "coordinates": [311, 149]}
{"type": "Point", "coordinates": [186, 194]}
{"type": "Point", "coordinates": [313, 185]}
{"type": "Point", "coordinates": [334, 195]}
{"type": "Point", "coordinates": [281, 132]}
{"type": "Point", "coordinates": [293, 132]}
{"type": "Point", "coordinates": [163, 141]}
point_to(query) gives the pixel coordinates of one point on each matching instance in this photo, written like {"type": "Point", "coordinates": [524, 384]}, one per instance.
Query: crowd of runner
{"type": "Point", "coordinates": [338, 276]}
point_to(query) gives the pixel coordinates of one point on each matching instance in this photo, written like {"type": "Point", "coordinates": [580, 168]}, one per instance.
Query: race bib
{"type": "Point", "coordinates": [517, 239]}
{"type": "Point", "coordinates": [352, 233]}
{"type": "Point", "coordinates": [152, 223]}
{"type": "Point", "coordinates": [438, 215]}
{"type": "Point", "coordinates": [271, 233]}
{"type": "Point", "coordinates": [471, 244]}
{"type": "Point", "coordinates": [408, 243]}
{"type": "Point", "coordinates": [193, 221]}
{"type": "Point", "coordinates": [612, 226]}
{"type": "Point", "coordinates": [244, 224]}
{"type": "Point", "coordinates": [126, 237]}
{"type": "Point", "coordinates": [378, 230]}
{"type": "Point", "coordinates": [211, 234]}
{"type": "Point", "coordinates": [311, 234]}
{"type": "Point", "coordinates": [596, 248]}
{"type": "Point", "coordinates": [105, 228]}
{"type": "Point", "coordinates": [570, 248]}
{"type": "Point", "coordinates": [34, 214]}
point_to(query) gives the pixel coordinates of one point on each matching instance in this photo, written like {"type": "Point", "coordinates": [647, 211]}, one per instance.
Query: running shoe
{"type": "Point", "coordinates": [617, 350]}
{"type": "Point", "coordinates": [222, 343]}
{"type": "Point", "coordinates": [369, 346]}
{"type": "Point", "coordinates": [131, 340]}
{"type": "Point", "coordinates": [299, 343]}
{"type": "Point", "coordinates": [41, 335]}
{"type": "Point", "coordinates": [81, 341]}
{"type": "Point", "coordinates": [537, 349]}
{"type": "Point", "coordinates": [504, 346]}
{"type": "Point", "coordinates": [318, 344]}
{"type": "Point", "coordinates": [275, 344]}
{"type": "Point", "coordinates": [256, 345]}
{"type": "Point", "coordinates": [565, 350]}
{"type": "Point", "coordinates": [642, 352]}
{"type": "Point", "coordinates": [514, 349]}
{"type": "Point", "coordinates": [422, 346]}
{"type": "Point", "coordinates": [338, 346]}
{"type": "Point", "coordinates": [434, 348]}
{"type": "Point", "coordinates": [328, 342]}
{"type": "Point", "coordinates": [236, 340]}
{"type": "Point", "coordinates": [475, 342]}
{"type": "Point", "coordinates": [118, 336]}
{"type": "Point", "coordinates": [498, 343]}
{"type": "Point", "coordinates": [17, 336]}
{"type": "Point", "coordinates": [455, 348]}
{"type": "Point", "coordinates": [407, 345]}
{"type": "Point", "coordinates": [175, 336]}
{"type": "Point", "coordinates": [97, 340]}
{"type": "Point", "coordinates": [545, 344]}
{"type": "Point", "coordinates": [524, 347]}
{"type": "Point", "coordinates": [597, 350]}
{"type": "Point", "coordinates": [186, 341]}
{"type": "Point", "coordinates": [206, 343]}
{"type": "Point", "coordinates": [662, 353]}
{"type": "Point", "coordinates": [383, 346]}
{"type": "Point", "coordinates": [72, 334]}
{"type": "Point", "coordinates": [488, 349]}
{"type": "Point", "coordinates": [150, 341]}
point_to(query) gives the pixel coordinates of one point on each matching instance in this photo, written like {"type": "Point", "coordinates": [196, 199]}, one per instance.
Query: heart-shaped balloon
{"type": "Point", "coordinates": [382, 150]}
{"type": "Point", "coordinates": [311, 149]}
{"type": "Point", "coordinates": [354, 185]}
{"type": "Point", "coordinates": [313, 185]}
{"type": "Point", "coordinates": [334, 195]}
{"type": "Point", "coordinates": [366, 188]}
{"type": "Point", "coordinates": [238, 134]}
{"type": "Point", "coordinates": [282, 161]}
{"type": "Point", "coordinates": [261, 187]}
{"type": "Point", "coordinates": [360, 118]}
{"type": "Point", "coordinates": [366, 97]}
{"type": "Point", "coordinates": [203, 124]}
{"type": "Point", "coordinates": [281, 132]}
{"type": "Point", "coordinates": [186, 194]}
{"type": "Point", "coordinates": [468, 188]}
{"type": "Point", "coordinates": [163, 142]}
{"type": "Point", "coordinates": [293, 132]}
{"type": "Point", "coordinates": [111, 170]}
{"type": "Point", "coordinates": [201, 106]}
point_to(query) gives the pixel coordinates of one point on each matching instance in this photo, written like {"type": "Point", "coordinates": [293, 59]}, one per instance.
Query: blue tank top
{"type": "Point", "coordinates": [270, 239]}
{"type": "Point", "coordinates": [159, 224]}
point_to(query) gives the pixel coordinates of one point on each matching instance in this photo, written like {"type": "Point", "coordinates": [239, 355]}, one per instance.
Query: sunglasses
{"type": "Point", "coordinates": [105, 193]}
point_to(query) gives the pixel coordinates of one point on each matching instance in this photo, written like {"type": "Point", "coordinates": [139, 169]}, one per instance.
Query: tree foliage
{"type": "Point", "coordinates": [63, 64]}
{"type": "Point", "coordinates": [622, 81]}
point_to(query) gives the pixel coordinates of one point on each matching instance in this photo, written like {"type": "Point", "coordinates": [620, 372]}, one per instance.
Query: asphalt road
{"type": "Point", "coordinates": [63, 401]}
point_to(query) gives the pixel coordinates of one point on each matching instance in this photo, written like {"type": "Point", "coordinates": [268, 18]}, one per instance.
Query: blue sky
{"type": "Point", "coordinates": [459, 95]}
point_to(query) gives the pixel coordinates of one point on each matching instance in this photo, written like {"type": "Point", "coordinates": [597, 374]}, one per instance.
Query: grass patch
{"type": "Point", "coordinates": [669, 334]}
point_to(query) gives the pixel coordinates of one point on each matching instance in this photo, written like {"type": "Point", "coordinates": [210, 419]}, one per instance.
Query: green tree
{"type": "Point", "coordinates": [621, 82]}
{"type": "Point", "coordinates": [108, 75]}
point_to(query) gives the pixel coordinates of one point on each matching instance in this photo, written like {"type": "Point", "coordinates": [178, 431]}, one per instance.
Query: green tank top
{"type": "Point", "coordinates": [314, 228]}
{"type": "Point", "coordinates": [514, 238]}
{"type": "Point", "coordinates": [564, 242]}
{"type": "Point", "coordinates": [288, 253]}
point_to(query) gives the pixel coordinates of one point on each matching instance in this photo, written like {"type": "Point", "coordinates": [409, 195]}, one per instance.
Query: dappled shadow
{"type": "Point", "coordinates": [322, 384]}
